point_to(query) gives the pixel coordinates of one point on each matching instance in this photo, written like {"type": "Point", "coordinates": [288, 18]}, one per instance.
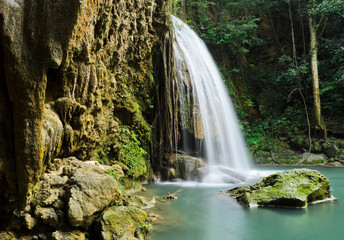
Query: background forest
{"type": "Point", "coordinates": [265, 50]}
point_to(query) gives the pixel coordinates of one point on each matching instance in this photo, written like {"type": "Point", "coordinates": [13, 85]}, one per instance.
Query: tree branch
{"type": "Point", "coordinates": [307, 116]}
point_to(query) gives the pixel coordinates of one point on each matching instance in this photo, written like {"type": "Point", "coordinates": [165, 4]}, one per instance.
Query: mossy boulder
{"type": "Point", "coordinates": [294, 188]}
{"type": "Point", "coordinates": [119, 222]}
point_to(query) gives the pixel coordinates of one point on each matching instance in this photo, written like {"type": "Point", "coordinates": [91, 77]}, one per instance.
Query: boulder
{"type": "Point", "coordinates": [167, 173]}
{"type": "Point", "coordinates": [74, 190]}
{"type": "Point", "coordinates": [316, 147]}
{"type": "Point", "coordinates": [123, 223]}
{"type": "Point", "coordinates": [47, 215]}
{"type": "Point", "coordinates": [331, 150]}
{"type": "Point", "coordinates": [312, 158]}
{"type": "Point", "coordinates": [29, 221]}
{"type": "Point", "coordinates": [138, 201]}
{"type": "Point", "coordinates": [47, 195]}
{"type": "Point", "coordinates": [291, 189]}
{"type": "Point", "coordinates": [90, 192]}
{"type": "Point", "coordinates": [187, 166]}
{"type": "Point", "coordinates": [335, 164]}
{"type": "Point", "coordinates": [72, 235]}
{"type": "Point", "coordinates": [7, 236]}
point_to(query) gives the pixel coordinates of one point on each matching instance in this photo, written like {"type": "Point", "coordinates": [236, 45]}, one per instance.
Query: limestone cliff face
{"type": "Point", "coordinates": [72, 73]}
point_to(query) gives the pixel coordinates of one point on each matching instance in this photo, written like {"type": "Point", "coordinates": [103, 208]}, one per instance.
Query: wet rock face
{"type": "Point", "coordinates": [293, 188]}
{"type": "Point", "coordinates": [71, 74]}
{"type": "Point", "coordinates": [28, 49]}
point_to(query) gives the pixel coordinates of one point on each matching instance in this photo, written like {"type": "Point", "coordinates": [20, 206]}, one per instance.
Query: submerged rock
{"type": "Point", "coordinates": [294, 188]}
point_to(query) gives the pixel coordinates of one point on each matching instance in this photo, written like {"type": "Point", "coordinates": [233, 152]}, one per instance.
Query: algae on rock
{"type": "Point", "coordinates": [119, 222]}
{"type": "Point", "coordinates": [294, 188]}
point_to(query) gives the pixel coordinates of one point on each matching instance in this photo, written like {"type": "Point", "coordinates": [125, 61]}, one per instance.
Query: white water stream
{"type": "Point", "coordinates": [224, 145]}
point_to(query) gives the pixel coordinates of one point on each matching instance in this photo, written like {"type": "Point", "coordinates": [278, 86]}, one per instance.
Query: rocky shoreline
{"type": "Point", "coordinates": [80, 200]}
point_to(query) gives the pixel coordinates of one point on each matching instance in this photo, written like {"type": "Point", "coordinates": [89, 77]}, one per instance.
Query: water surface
{"type": "Point", "coordinates": [201, 213]}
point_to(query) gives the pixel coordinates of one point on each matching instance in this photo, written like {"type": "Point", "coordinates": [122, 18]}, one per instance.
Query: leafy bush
{"type": "Point", "coordinates": [266, 134]}
{"type": "Point", "coordinates": [132, 154]}
{"type": "Point", "coordinates": [113, 173]}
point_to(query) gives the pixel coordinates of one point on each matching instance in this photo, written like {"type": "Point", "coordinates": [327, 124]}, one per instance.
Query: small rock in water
{"type": "Point", "coordinates": [170, 196]}
{"type": "Point", "coordinates": [292, 189]}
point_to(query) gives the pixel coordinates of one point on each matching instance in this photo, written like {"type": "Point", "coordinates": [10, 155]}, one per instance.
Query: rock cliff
{"type": "Point", "coordinates": [75, 77]}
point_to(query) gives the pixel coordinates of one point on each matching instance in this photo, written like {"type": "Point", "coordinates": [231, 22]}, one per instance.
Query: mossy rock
{"type": "Point", "coordinates": [120, 222]}
{"type": "Point", "coordinates": [292, 189]}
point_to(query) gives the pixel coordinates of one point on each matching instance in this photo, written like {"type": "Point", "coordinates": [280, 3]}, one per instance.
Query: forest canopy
{"type": "Point", "coordinates": [272, 54]}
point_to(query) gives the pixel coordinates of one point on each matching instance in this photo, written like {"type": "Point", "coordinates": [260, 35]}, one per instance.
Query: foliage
{"type": "Point", "coordinates": [231, 30]}
{"type": "Point", "coordinates": [216, 24]}
{"type": "Point", "coordinates": [334, 8]}
{"type": "Point", "coordinates": [236, 33]}
{"type": "Point", "coordinates": [146, 227]}
{"type": "Point", "coordinates": [241, 103]}
{"type": "Point", "coordinates": [331, 68]}
{"type": "Point", "coordinates": [266, 134]}
{"type": "Point", "coordinates": [176, 7]}
{"type": "Point", "coordinates": [113, 173]}
{"type": "Point", "coordinates": [132, 154]}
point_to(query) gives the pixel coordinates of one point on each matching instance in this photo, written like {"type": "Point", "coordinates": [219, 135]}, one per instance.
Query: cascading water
{"type": "Point", "coordinates": [222, 141]}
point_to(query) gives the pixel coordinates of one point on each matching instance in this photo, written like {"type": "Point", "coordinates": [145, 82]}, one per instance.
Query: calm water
{"type": "Point", "coordinates": [200, 213]}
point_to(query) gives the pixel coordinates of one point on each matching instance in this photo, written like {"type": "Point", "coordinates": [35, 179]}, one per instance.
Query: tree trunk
{"type": "Point", "coordinates": [183, 8]}
{"type": "Point", "coordinates": [319, 123]}
{"type": "Point", "coordinates": [292, 33]}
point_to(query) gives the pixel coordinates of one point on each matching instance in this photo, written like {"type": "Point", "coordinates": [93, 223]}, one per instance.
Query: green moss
{"type": "Point", "coordinates": [313, 162]}
{"type": "Point", "coordinates": [124, 222]}
{"type": "Point", "coordinates": [132, 154]}
{"type": "Point", "coordinates": [294, 188]}
{"type": "Point", "coordinates": [114, 173]}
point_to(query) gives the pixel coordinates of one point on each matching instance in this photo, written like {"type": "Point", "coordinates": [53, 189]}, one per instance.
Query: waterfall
{"type": "Point", "coordinates": [214, 121]}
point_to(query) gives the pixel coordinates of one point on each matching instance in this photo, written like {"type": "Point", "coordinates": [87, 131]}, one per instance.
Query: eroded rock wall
{"type": "Point", "coordinates": [72, 73]}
